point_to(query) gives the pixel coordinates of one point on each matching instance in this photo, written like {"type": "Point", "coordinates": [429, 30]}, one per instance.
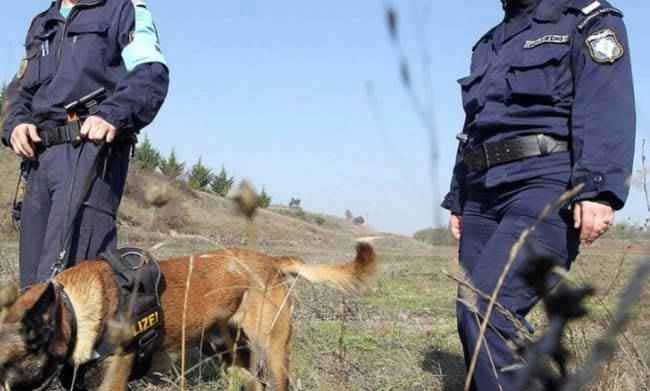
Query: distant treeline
{"type": "Point", "coordinates": [435, 236]}
{"type": "Point", "coordinates": [199, 176]}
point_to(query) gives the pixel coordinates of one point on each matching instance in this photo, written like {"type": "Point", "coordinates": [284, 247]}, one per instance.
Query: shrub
{"type": "Point", "coordinates": [200, 176]}
{"type": "Point", "coordinates": [435, 236]}
{"type": "Point", "coordinates": [295, 203]}
{"type": "Point", "coordinates": [222, 183]}
{"type": "Point", "coordinates": [171, 166]}
{"type": "Point", "coordinates": [263, 200]}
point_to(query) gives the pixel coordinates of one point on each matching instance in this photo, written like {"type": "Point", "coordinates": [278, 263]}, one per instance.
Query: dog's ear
{"type": "Point", "coordinates": [39, 321]}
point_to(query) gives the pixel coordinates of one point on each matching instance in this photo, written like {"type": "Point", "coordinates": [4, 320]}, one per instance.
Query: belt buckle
{"type": "Point", "coordinates": [543, 144]}
{"type": "Point", "coordinates": [73, 128]}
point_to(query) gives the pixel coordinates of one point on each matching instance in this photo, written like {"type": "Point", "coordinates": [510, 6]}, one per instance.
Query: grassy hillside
{"type": "Point", "coordinates": [401, 334]}
{"type": "Point", "coordinates": [9, 165]}
{"type": "Point", "coordinates": [158, 210]}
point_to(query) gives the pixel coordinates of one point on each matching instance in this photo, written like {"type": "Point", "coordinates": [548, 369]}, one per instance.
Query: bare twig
{"type": "Point", "coordinates": [525, 333]}
{"type": "Point", "coordinates": [644, 174]}
{"type": "Point", "coordinates": [190, 269]}
{"type": "Point", "coordinates": [423, 106]}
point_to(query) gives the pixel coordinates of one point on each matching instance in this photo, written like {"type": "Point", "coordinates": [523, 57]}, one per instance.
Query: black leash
{"type": "Point", "coordinates": [73, 210]}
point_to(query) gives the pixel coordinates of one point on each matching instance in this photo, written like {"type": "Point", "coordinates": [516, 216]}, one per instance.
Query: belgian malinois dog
{"type": "Point", "coordinates": [235, 289]}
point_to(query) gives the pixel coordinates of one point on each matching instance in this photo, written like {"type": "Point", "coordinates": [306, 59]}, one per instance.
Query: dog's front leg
{"type": "Point", "coordinates": [117, 370]}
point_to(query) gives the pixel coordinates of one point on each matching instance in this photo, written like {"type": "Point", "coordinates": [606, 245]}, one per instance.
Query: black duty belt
{"type": "Point", "coordinates": [66, 134]}
{"type": "Point", "coordinates": [492, 154]}
{"type": "Point", "coordinates": [71, 134]}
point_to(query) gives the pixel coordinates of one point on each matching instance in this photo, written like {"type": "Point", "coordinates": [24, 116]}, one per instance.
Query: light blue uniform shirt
{"type": "Point", "coordinates": [65, 10]}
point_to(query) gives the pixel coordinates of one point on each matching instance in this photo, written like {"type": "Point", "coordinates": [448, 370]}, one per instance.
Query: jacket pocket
{"type": "Point", "coordinates": [535, 75]}
{"type": "Point", "coordinates": [40, 60]}
{"type": "Point", "coordinates": [87, 43]}
{"type": "Point", "coordinates": [473, 102]}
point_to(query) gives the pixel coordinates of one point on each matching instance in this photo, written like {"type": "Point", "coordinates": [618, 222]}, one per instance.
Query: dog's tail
{"type": "Point", "coordinates": [351, 276]}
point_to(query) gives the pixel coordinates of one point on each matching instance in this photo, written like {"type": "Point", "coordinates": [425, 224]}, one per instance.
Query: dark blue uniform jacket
{"type": "Point", "coordinates": [67, 59]}
{"type": "Point", "coordinates": [561, 72]}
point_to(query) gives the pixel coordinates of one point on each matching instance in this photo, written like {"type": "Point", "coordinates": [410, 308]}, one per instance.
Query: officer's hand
{"type": "Point", "coordinates": [455, 226]}
{"type": "Point", "coordinates": [97, 130]}
{"type": "Point", "coordinates": [23, 138]}
{"type": "Point", "coordinates": [593, 219]}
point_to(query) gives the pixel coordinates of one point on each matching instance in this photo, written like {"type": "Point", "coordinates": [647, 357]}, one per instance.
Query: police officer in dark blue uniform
{"type": "Point", "coordinates": [110, 50]}
{"type": "Point", "coordinates": [549, 107]}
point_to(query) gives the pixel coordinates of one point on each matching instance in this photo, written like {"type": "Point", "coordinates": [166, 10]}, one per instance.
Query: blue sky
{"type": "Point", "coordinates": [278, 93]}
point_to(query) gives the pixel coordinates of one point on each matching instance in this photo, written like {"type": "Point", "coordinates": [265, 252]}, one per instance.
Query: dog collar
{"type": "Point", "coordinates": [67, 303]}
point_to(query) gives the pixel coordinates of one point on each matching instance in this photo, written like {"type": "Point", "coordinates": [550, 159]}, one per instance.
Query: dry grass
{"type": "Point", "coordinates": [401, 335]}
{"type": "Point", "coordinates": [9, 165]}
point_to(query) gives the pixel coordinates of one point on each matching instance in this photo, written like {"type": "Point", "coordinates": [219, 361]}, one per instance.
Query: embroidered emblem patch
{"type": "Point", "coordinates": [605, 47]}
{"type": "Point", "coordinates": [553, 38]}
{"type": "Point", "coordinates": [22, 69]}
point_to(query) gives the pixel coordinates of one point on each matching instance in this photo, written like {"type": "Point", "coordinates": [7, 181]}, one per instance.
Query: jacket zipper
{"type": "Point", "coordinates": [73, 13]}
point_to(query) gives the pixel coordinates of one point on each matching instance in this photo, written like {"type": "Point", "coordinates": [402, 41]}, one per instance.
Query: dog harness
{"type": "Point", "coordinates": [140, 283]}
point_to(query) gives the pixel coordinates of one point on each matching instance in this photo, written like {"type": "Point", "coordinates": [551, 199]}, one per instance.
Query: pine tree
{"type": "Point", "coordinates": [3, 91]}
{"type": "Point", "coordinates": [263, 200]}
{"type": "Point", "coordinates": [171, 166]}
{"type": "Point", "coordinates": [221, 184]}
{"type": "Point", "coordinates": [295, 203]}
{"type": "Point", "coordinates": [200, 176]}
{"type": "Point", "coordinates": [146, 155]}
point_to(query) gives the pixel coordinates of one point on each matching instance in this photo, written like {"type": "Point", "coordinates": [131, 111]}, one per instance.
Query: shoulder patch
{"type": "Point", "coordinates": [587, 21]}
{"type": "Point", "coordinates": [591, 7]}
{"type": "Point", "coordinates": [604, 47]}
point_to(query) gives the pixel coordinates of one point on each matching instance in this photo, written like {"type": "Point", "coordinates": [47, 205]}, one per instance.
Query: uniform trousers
{"type": "Point", "coordinates": [56, 185]}
{"type": "Point", "coordinates": [493, 220]}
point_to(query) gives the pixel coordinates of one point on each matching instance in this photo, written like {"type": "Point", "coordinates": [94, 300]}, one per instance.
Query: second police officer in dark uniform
{"type": "Point", "coordinates": [73, 49]}
{"type": "Point", "coordinates": [549, 106]}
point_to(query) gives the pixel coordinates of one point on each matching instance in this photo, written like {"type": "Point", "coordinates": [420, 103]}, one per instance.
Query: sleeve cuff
{"type": "Point", "coordinates": [452, 204]}
{"type": "Point", "coordinates": [8, 127]}
{"type": "Point", "coordinates": [599, 187]}
{"type": "Point", "coordinates": [113, 118]}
